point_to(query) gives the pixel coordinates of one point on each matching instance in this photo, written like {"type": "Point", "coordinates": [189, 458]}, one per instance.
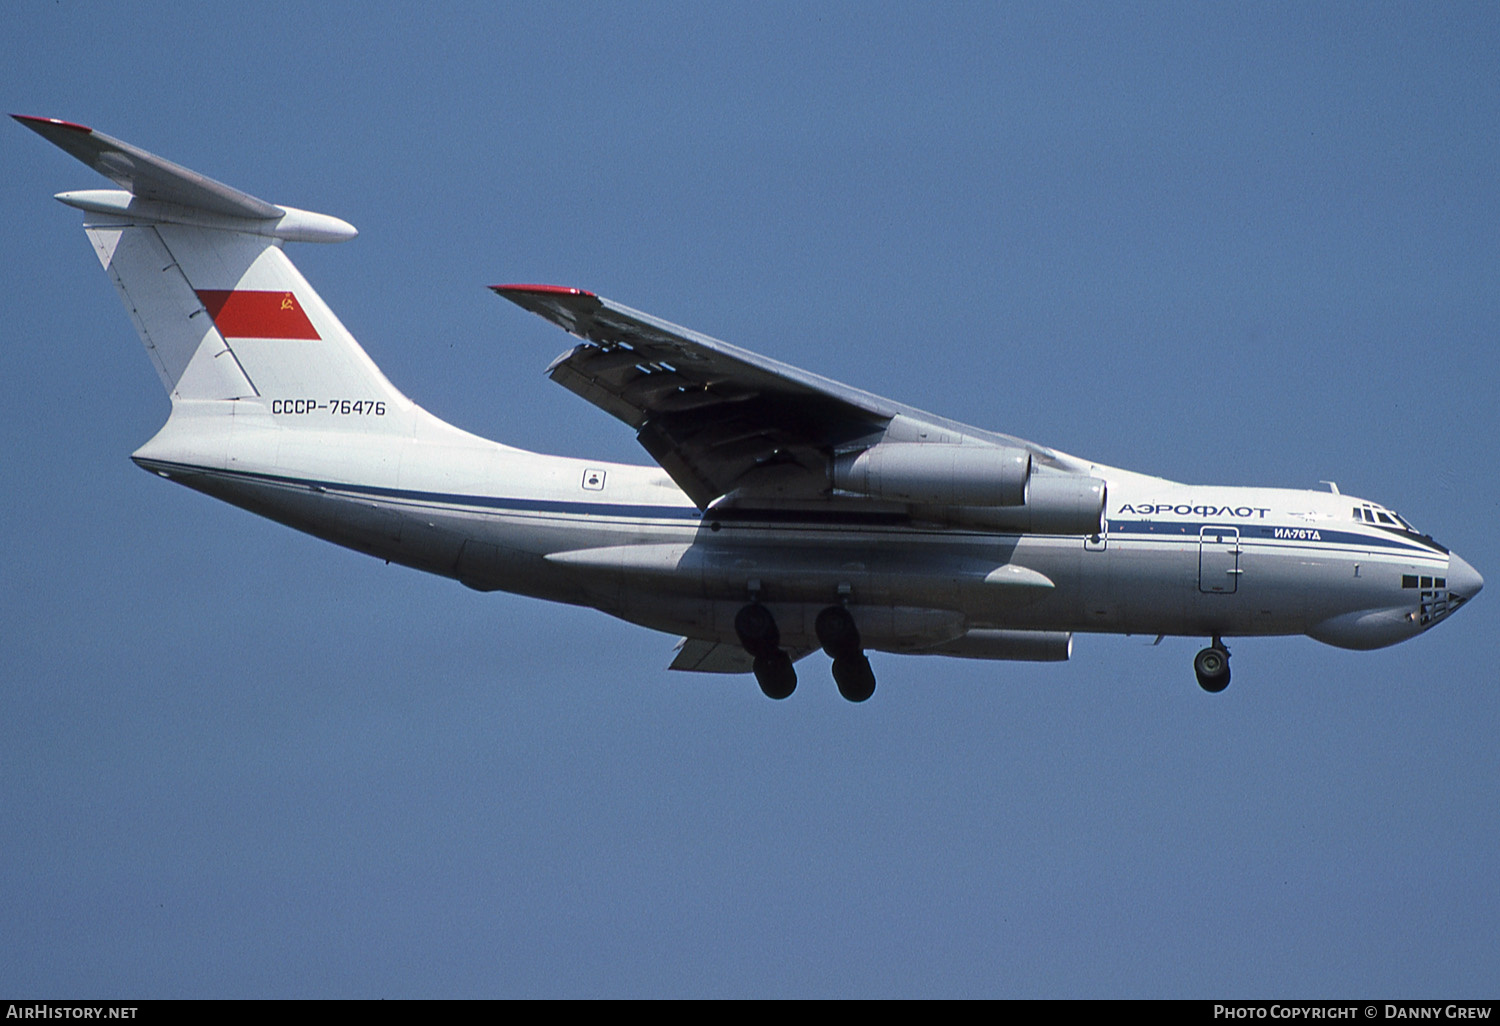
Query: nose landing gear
{"type": "Point", "coordinates": [1212, 667]}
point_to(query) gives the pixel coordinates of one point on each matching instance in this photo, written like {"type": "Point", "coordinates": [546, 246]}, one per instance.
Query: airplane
{"type": "Point", "coordinates": [787, 512]}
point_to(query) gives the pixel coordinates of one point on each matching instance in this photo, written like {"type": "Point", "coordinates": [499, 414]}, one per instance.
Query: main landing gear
{"type": "Point", "coordinates": [1212, 667]}
{"type": "Point", "coordinates": [762, 639]}
{"type": "Point", "coordinates": [840, 639]}
{"type": "Point", "coordinates": [838, 635]}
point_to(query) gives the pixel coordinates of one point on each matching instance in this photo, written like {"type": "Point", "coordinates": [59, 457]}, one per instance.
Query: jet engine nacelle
{"type": "Point", "coordinates": [983, 486]}
{"type": "Point", "coordinates": [1055, 504]}
{"type": "Point", "coordinates": [936, 475]}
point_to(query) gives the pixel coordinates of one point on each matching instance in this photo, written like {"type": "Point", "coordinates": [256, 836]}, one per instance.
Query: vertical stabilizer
{"type": "Point", "coordinates": [193, 360]}
{"type": "Point", "coordinates": [223, 313]}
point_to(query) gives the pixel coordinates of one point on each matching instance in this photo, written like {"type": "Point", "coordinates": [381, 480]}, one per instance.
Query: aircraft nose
{"type": "Point", "coordinates": [1463, 580]}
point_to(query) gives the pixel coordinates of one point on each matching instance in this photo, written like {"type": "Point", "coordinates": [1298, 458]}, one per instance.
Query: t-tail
{"type": "Point", "coordinates": [237, 335]}
{"type": "Point", "coordinates": [275, 407]}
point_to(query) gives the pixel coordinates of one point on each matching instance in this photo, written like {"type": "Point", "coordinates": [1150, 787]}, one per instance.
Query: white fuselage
{"type": "Point", "coordinates": [1175, 559]}
{"type": "Point", "coordinates": [788, 512]}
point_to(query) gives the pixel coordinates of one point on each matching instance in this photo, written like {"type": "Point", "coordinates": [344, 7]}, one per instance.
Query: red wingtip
{"type": "Point", "coordinates": [555, 290]}
{"type": "Point", "coordinates": [59, 122]}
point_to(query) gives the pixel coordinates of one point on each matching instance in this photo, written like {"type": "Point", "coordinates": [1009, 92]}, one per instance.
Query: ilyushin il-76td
{"type": "Point", "coordinates": [786, 513]}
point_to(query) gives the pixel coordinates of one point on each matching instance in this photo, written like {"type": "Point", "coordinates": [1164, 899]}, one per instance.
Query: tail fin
{"type": "Point", "coordinates": [199, 265]}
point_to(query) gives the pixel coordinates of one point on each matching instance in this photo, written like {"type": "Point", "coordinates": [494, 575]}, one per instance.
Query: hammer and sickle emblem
{"type": "Point", "coordinates": [289, 303]}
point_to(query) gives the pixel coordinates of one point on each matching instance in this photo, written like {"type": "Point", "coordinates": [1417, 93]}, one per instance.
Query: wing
{"type": "Point", "coordinates": [720, 420]}
{"type": "Point", "coordinates": [717, 418]}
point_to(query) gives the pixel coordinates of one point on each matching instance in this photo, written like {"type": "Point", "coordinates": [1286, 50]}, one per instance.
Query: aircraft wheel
{"type": "Point", "coordinates": [837, 633]}
{"type": "Point", "coordinates": [854, 677]}
{"type": "Point", "coordinates": [776, 676]}
{"type": "Point", "coordinates": [758, 632]}
{"type": "Point", "coordinates": [1212, 667]}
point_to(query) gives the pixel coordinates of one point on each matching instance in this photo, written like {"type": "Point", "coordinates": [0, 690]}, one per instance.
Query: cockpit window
{"type": "Point", "coordinates": [1389, 518]}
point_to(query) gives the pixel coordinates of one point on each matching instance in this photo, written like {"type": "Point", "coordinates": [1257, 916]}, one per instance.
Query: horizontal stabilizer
{"type": "Point", "coordinates": [158, 190]}
{"type": "Point", "coordinates": [147, 175]}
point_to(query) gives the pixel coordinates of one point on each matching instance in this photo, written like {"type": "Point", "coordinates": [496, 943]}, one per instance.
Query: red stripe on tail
{"type": "Point", "coordinates": [244, 314]}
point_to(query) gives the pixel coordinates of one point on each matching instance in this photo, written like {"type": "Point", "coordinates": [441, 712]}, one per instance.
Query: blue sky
{"type": "Point", "coordinates": [1238, 244]}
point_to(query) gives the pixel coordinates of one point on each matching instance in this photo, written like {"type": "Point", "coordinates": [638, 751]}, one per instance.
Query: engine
{"type": "Point", "coordinates": [936, 475]}
{"type": "Point", "coordinates": [990, 487]}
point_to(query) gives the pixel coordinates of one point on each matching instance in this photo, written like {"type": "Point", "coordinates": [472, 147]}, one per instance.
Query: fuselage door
{"type": "Point", "coordinates": [1218, 560]}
